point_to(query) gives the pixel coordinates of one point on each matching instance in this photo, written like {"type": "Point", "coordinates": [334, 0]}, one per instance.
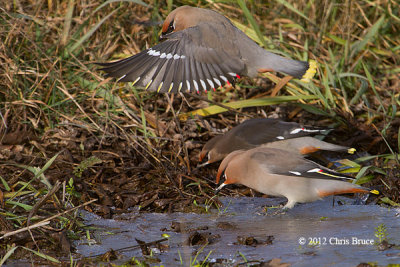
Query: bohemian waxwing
{"type": "Point", "coordinates": [307, 145]}
{"type": "Point", "coordinates": [252, 133]}
{"type": "Point", "coordinates": [202, 50]}
{"type": "Point", "coordinates": [278, 172]}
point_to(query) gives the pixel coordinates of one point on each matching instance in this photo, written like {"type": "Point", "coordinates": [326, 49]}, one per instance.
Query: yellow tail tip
{"type": "Point", "coordinates": [310, 72]}
{"type": "Point", "coordinates": [351, 150]}
{"type": "Point", "coordinates": [375, 192]}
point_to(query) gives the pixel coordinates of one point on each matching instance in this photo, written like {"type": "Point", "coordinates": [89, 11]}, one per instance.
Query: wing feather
{"type": "Point", "coordinates": [185, 61]}
{"type": "Point", "coordinates": [294, 165]}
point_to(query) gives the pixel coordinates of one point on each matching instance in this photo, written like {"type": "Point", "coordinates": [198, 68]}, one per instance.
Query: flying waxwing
{"type": "Point", "coordinates": [201, 50]}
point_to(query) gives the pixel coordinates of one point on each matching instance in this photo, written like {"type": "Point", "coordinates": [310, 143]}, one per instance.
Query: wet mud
{"type": "Point", "coordinates": [244, 230]}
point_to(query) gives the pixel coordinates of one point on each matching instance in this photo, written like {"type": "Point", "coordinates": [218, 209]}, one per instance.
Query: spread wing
{"type": "Point", "coordinates": [188, 60]}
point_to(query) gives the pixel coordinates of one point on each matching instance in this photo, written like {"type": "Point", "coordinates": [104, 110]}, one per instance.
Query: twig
{"type": "Point", "coordinates": [42, 223]}
{"type": "Point", "coordinates": [180, 130]}
{"type": "Point", "coordinates": [41, 201]}
{"type": "Point", "coordinates": [38, 205]}
{"type": "Point", "coordinates": [45, 221]}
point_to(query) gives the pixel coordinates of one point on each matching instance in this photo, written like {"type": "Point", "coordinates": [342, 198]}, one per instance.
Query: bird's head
{"type": "Point", "coordinates": [179, 19]}
{"type": "Point", "coordinates": [231, 167]}
{"type": "Point", "coordinates": [185, 17]}
{"type": "Point", "coordinates": [211, 149]}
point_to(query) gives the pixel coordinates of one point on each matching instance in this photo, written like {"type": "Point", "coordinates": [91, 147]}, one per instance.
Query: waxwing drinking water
{"type": "Point", "coordinates": [202, 50]}
{"type": "Point", "coordinates": [281, 173]}
{"type": "Point", "coordinates": [256, 132]}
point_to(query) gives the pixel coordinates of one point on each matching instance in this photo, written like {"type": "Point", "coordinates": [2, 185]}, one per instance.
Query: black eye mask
{"type": "Point", "coordinates": [170, 29]}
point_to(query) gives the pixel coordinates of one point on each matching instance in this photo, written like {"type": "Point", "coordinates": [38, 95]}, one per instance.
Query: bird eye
{"type": "Point", "coordinates": [171, 28]}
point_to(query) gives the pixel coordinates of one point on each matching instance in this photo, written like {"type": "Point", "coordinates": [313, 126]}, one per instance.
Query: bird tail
{"type": "Point", "coordinates": [299, 69]}
{"type": "Point", "coordinates": [343, 189]}
{"type": "Point", "coordinates": [310, 72]}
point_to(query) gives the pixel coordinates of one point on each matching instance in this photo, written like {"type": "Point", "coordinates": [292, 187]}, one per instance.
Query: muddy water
{"type": "Point", "coordinates": [342, 234]}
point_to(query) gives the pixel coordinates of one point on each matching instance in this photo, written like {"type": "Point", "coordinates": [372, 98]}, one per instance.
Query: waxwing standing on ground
{"type": "Point", "coordinates": [281, 173]}
{"type": "Point", "coordinates": [255, 132]}
{"type": "Point", "coordinates": [202, 50]}
{"type": "Point", "coordinates": [307, 145]}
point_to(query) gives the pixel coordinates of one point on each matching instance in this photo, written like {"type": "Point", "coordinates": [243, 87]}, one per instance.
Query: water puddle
{"type": "Point", "coordinates": [317, 234]}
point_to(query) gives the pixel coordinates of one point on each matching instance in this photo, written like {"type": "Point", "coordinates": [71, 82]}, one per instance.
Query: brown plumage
{"type": "Point", "coordinates": [278, 172]}
{"type": "Point", "coordinates": [256, 132]}
{"type": "Point", "coordinates": [202, 50]}
{"type": "Point", "coordinates": [307, 145]}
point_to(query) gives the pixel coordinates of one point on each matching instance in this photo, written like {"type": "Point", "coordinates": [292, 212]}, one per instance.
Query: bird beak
{"type": "Point", "coordinates": [201, 157]}
{"type": "Point", "coordinates": [202, 165]}
{"type": "Point", "coordinates": [221, 185]}
{"type": "Point", "coordinates": [219, 188]}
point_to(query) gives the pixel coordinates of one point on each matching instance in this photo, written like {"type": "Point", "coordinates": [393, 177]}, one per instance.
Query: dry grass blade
{"type": "Point", "coordinates": [106, 3]}
{"type": "Point", "coordinates": [41, 201]}
{"type": "Point", "coordinates": [90, 32]}
{"type": "Point", "coordinates": [67, 22]}
{"type": "Point", "coordinates": [295, 10]}
{"type": "Point", "coordinates": [46, 221]}
{"type": "Point", "coordinates": [27, 228]}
